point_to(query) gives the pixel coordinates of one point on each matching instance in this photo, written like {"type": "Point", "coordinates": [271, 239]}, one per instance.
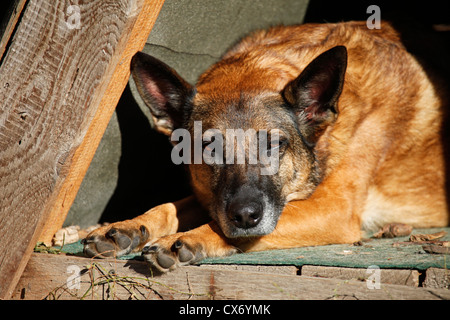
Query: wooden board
{"type": "Point", "coordinates": [7, 28]}
{"type": "Point", "coordinates": [134, 36]}
{"type": "Point", "coordinates": [60, 81]}
{"type": "Point", "coordinates": [68, 277]}
{"type": "Point", "coordinates": [388, 276]}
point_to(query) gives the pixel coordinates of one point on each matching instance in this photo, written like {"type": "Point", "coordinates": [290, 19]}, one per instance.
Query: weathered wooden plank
{"type": "Point", "coordinates": [66, 277]}
{"type": "Point", "coordinates": [437, 278]}
{"type": "Point", "coordinates": [7, 28]}
{"type": "Point", "coordinates": [58, 76]}
{"type": "Point", "coordinates": [134, 36]}
{"type": "Point", "coordinates": [288, 270]}
{"type": "Point", "coordinates": [391, 276]}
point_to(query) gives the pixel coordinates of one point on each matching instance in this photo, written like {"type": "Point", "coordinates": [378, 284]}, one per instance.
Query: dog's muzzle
{"type": "Point", "coordinates": [248, 217]}
{"type": "Point", "coordinates": [245, 215]}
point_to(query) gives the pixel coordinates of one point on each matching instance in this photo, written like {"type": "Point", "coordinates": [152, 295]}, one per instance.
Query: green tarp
{"type": "Point", "coordinates": [384, 253]}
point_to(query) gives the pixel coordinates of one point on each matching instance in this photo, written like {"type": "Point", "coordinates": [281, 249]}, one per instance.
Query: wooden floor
{"type": "Point", "coordinates": [51, 276]}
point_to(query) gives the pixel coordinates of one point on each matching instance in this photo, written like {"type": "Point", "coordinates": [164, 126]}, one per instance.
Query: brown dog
{"type": "Point", "coordinates": [358, 139]}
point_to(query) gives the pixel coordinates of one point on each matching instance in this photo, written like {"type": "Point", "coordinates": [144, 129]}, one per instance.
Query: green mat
{"type": "Point", "coordinates": [384, 253]}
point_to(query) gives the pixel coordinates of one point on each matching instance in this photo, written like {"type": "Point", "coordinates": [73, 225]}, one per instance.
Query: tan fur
{"type": "Point", "coordinates": [383, 159]}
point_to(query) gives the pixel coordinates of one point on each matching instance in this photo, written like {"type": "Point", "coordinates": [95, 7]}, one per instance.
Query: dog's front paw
{"type": "Point", "coordinates": [173, 251]}
{"type": "Point", "coordinates": [115, 240]}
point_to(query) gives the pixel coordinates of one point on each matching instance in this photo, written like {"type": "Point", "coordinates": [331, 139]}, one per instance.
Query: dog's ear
{"type": "Point", "coordinates": [165, 93]}
{"type": "Point", "coordinates": [313, 95]}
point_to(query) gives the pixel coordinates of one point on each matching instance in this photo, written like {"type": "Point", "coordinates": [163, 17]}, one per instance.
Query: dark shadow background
{"type": "Point", "coordinates": [147, 175]}
{"type": "Point", "coordinates": [427, 12]}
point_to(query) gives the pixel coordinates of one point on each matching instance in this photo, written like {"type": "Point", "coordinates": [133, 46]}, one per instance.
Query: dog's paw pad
{"type": "Point", "coordinates": [165, 257]}
{"type": "Point", "coordinates": [184, 254]}
{"type": "Point", "coordinates": [114, 241]}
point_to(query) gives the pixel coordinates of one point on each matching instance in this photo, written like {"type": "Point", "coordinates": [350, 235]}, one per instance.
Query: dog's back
{"type": "Point", "coordinates": [389, 128]}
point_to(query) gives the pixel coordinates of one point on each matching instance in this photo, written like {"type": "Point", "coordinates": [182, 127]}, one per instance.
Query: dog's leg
{"type": "Point", "coordinates": [120, 238]}
{"type": "Point", "coordinates": [189, 247]}
{"type": "Point", "coordinates": [309, 223]}
{"type": "Point", "coordinates": [297, 227]}
{"type": "Point", "coordinates": [326, 217]}
{"type": "Point", "coordinates": [330, 216]}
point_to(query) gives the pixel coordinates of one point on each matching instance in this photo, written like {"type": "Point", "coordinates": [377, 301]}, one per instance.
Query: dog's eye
{"type": "Point", "coordinates": [277, 146]}
{"type": "Point", "coordinates": [278, 143]}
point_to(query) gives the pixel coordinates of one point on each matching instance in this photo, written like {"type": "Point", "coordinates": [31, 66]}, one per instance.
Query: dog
{"type": "Point", "coordinates": [359, 139]}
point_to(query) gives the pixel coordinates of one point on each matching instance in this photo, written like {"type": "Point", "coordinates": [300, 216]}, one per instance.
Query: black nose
{"type": "Point", "coordinates": [245, 215]}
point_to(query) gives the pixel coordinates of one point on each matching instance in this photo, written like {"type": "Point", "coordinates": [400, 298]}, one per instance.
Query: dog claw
{"type": "Point", "coordinates": [122, 240]}
{"type": "Point", "coordinates": [178, 244]}
{"type": "Point", "coordinates": [148, 249]}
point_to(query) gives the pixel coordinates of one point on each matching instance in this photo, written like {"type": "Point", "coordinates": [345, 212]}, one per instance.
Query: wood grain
{"type": "Point", "coordinates": [7, 29]}
{"type": "Point", "coordinates": [53, 82]}
{"type": "Point", "coordinates": [134, 37]}
{"type": "Point", "coordinates": [392, 276]}
{"type": "Point", "coordinates": [47, 276]}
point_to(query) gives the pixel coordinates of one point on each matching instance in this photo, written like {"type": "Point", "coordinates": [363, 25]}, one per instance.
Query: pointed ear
{"type": "Point", "coordinates": [313, 95]}
{"type": "Point", "coordinates": [165, 93]}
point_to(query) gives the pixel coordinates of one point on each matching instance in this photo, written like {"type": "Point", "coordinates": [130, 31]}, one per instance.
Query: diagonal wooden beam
{"type": "Point", "coordinates": [60, 81]}
{"type": "Point", "coordinates": [7, 28]}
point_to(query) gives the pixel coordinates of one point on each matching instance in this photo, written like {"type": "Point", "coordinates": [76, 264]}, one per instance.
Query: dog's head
{"type": "Point", "coordinates": [249, 144]}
